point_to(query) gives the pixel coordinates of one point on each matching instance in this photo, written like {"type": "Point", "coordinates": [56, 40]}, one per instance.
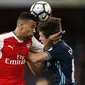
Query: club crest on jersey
{"type": "Point", "coordinates": [28, 45]}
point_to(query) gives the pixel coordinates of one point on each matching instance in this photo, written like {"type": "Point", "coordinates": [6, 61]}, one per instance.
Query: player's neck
{"type": "Point", "coordinates": [55, 42]}
{"type": "Point", "coordinates": [17, 34]}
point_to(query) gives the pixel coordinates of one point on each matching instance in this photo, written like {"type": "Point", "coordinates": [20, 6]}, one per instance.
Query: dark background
{"type": "Point", "coordinates": [73, 21]}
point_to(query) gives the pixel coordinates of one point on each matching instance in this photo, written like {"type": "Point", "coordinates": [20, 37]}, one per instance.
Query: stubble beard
{"type": "Point", "coordinates": [28, 38]}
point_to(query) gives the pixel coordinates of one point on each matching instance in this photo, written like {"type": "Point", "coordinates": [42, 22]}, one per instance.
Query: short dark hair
{"type": "Point", "coordinates": [53, 25]}
{"type": "Point", "coordinates": [27, 16]}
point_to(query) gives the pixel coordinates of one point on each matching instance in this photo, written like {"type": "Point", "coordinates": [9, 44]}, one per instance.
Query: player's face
{"type": "Point", "coordinates": [28, 29]}
{"type": "Point", "coordinates": [42, 38]}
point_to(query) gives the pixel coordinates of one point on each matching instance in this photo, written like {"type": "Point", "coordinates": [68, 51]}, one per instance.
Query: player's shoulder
{"type": "Point", "coordinates": [67, 49]}
{"type": "Point", "coordinates": [61, 45]}
{"type": "Point", "coordinates": [64, 45]}
{"type": "Point", "coordinates": [6, 35]}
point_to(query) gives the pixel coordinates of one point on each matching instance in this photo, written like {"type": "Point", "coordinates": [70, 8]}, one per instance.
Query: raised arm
{"type": "Point", "coordinates": [55, 37]}
{"type": "Point", "coordinates": [35, 60]}
{"type": "Point", "coordinates": [42, 56]}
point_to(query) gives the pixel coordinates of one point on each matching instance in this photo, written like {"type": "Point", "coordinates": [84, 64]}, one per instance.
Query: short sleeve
{"type": "Point", "coordinates": [1, 46]}
{"type": "Point", "coordinates": [60, 53]}
{"type": "Point", "coordinates": [56, 53]}
{"type": "Point", "coordinates": [36, 45]}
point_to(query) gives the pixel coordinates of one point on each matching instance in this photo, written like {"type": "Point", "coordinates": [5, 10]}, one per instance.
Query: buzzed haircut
{"type": "Point", "coordinates": [27, 16]}
{"type": "Point", "coordinates": [53, 25]}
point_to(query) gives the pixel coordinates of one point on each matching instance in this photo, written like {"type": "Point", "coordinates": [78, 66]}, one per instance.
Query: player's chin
{"type": "Point", "coordinates": [43, 43]}
{"type": "Point", "coordinates": [29, 37]}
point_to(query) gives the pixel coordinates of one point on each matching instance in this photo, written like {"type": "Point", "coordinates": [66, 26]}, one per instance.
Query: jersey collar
{"type": "Point", "coordinates": [16, 37]}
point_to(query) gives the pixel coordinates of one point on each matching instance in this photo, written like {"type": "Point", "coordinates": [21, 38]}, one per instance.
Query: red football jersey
{"type": "Point", "coordinates": [13, 54]}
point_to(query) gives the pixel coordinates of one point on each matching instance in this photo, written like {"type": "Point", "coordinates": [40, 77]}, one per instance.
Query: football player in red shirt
{"type": "Point", "coordinates": [14, 49]}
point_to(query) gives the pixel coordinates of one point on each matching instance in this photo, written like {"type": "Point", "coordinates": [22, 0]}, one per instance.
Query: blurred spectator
{"type": "Point", "coordinates": [80, 62]}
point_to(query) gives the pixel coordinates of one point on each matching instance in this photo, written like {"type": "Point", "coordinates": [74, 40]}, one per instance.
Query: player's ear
{"type": "Point", "coordinates": [34, 25]}
{"type": "Point", "coordinates": [34, 28]}
{"type": "Point", "coordinates": [20, 24]}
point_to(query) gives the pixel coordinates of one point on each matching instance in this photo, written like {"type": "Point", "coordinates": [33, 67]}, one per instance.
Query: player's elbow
{"type": "Point", "coordinates": [33, 61]}
{"type": "Point", "coordinates": [31, 58]}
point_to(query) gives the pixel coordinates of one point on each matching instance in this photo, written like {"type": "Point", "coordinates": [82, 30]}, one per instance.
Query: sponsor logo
{"type": "Point", "coordinates": [28, 45]}
{"type": "Point", "coordinates": [19, 60]}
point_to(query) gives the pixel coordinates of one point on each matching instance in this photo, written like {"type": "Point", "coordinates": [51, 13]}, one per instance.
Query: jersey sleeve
{"type": "Point", "coordinates": [1, 45]}
{"type": "Point", "coordinates": [60, 54]}
{"type": "Point", "coordinates": [36, 45]}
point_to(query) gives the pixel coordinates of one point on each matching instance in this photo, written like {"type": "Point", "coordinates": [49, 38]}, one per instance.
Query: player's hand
{"type": "Point", "coordinates": [56, 36]}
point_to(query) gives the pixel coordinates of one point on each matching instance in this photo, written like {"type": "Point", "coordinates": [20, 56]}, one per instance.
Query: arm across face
{"type": "Point", "coordinates": [35, 60]}
{"type": "Point", "coordinates": [42, 56]}
{"type": "Point", "coordinates": [55, 37]}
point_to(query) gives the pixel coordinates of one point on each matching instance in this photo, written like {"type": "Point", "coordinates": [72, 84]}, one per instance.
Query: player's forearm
{"type": "Point", "coordinates": [37, 57]}
{"type": "Point", "coordinates": [53, 38]}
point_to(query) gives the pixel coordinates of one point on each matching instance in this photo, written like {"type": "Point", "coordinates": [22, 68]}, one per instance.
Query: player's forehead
{"type": "Point", "coordinates": [41, 33]}
{"type": "Point", "coordinates": [29, 22]}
